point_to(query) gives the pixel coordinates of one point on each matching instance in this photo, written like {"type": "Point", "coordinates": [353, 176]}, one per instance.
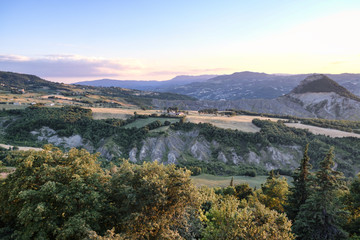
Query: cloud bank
{"type": "Point", "coordinates": [72, 68]}
{"type": "Point", "coordinates": [69, 66]}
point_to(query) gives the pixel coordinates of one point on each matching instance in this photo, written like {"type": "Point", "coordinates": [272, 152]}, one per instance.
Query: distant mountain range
{"type": "Point", "coordinates": [317, 96]}
{"type": "Point", "coordinates": [236, 86]}
{"type": "Point", "coordinates": [151, 85]}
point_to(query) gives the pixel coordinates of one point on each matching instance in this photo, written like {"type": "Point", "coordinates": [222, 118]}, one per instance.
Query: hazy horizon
{"type": "Point", "coordinates": [72, 41]}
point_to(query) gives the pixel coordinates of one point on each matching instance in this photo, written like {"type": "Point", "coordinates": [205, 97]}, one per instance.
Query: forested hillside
{"type": "Point", "coordinates": [170, 140]}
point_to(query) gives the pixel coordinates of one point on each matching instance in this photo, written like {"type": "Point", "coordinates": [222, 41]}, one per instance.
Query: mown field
{"type": "Point", "coordinates": [221, 181]}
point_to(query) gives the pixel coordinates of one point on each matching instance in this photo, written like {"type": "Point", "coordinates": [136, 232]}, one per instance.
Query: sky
{"type": "Point", "coordinates": [69, 41]}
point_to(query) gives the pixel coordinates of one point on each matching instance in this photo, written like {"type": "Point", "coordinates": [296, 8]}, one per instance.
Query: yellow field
{"type": "Point", "coordinates": [241, 123]}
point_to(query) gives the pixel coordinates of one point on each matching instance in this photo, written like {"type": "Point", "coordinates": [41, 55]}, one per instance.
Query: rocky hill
{"type": "Point", "coordinates": [319, 83]}
{"type": "Point", "coordinates": [317, 96]}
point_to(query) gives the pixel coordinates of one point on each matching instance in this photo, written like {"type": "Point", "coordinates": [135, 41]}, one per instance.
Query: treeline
{"type": "Point", "coordinates": [57, 195]}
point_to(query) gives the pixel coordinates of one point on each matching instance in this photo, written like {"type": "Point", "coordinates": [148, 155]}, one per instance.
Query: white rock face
{"type": "Point", "coordinates": [132, 155]}
{"type": "Point", "coordinates": [222, 157]}
{"type": "Point", "coordinates": [50, 135]}
{"type": "Point", "coordinates": [172, 147]}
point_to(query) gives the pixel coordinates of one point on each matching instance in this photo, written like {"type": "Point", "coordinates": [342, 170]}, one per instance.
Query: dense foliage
{"type": "Point", "coordinates": [57, 195]}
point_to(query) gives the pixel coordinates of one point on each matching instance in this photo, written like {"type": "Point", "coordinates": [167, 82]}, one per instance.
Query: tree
{"type": "Point", "coordinates": [53, 195]}
{"type": "Point", "coordinates": [243, 191]}
{"type": "Point", "coordinates": [227, 220]}
{"type": "Point", "coordinates": [150, 201]}
{"type": "Point", "coordinates": [232, 182]}
{"type": "Point", "coordinates": [352, 202]}
{"type": "Point", "coordinates": [299, 192]}
{"type": "Point", "coordinates": [321, 215]}
{"type": "Point", "coordinates": [274, 192]}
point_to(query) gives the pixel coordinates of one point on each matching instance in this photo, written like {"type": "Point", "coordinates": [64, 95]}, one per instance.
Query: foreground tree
{"type": "Point", "coordinates": [53, 195]}
{"type": "Point", "coordinates": [274, 192]}
{"type": "Point", "coordinates": [353, 206]}
{"type": "Point", "coordinates": [230, 219]}
{"type": "Point", "coordinates": [299, 192]}
{"type": "Point", "coordinates": [321, 215]}
{"type": "Point", "coordinates": [151, 201]}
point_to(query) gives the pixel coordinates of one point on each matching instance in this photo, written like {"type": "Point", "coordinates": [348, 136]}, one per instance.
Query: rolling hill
{"type": "Point", "coordinates": [16, 83]}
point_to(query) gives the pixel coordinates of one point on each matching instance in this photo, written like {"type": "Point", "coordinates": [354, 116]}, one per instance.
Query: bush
{"type": "Point", "coordinates": [250, 173]}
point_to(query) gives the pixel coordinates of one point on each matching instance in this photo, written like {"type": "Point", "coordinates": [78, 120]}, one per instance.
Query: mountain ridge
{"type": "Point", "coordinates": [147, 84]}
{"type": "Point", "coordinates": [323, 104]}
{"type": "Point", "coordinates": [242, 85]}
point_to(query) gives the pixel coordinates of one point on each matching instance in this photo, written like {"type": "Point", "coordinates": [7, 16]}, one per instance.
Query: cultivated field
{"type": "Point", "coordinates": [241, 123]}
{"type": "Point", "coordinates": [323, 131]}
{"type": "Point", "coordinates": [221, 181]}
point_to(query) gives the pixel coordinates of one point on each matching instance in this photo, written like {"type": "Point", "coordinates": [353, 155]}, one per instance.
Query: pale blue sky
{"type": "Point", "coordinates": [68, 40]}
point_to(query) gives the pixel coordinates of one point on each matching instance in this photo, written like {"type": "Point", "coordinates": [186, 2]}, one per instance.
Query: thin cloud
{"type": "Point", "coordinates": [66, 66]}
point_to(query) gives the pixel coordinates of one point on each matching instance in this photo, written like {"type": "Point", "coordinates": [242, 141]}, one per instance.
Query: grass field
{"type": "Point", "coordinates": [221, 181]}
{"type": "Point", "coordinates": [141, 122]}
